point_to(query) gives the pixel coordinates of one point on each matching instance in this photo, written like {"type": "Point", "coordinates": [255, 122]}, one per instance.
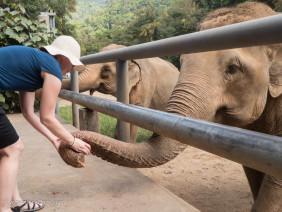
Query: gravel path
{"type": "Point", "coordinates": [208, 182]}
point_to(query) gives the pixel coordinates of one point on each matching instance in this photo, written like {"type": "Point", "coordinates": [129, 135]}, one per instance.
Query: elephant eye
{"type": "Point", "coordinates": [105, 72]}
{"type": "Point", "coordinates": [232, 69]}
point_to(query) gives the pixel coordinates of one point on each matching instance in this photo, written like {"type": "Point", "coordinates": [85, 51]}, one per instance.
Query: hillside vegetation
{"type": "Point", "coordinates": [100, 22]}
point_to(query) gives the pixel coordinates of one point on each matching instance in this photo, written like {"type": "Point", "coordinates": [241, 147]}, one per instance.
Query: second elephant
{"type": "Point", "coordinates": [151, 82]}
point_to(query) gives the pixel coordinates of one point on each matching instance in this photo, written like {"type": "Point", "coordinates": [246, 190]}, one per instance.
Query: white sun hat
{"type": "Point", "coordinates": [68, 47]}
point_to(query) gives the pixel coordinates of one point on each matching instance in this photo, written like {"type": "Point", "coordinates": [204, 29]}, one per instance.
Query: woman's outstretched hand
{"type": "Point", "coordinates": [73, 154]}
{"type": "Point", "coordinates": [81, 146]}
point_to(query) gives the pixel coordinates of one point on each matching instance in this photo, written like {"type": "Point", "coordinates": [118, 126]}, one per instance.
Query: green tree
{"type": "Point", "coordinates": [278, 5]}
{"type": "Point", "coordinates": [100, 22]}
{"type": "Point", "coordinates": [145, 26]}
{"type": "Point", "coordinates": [62, 8]}
{"type": "Point", "coordinates": [106, 23]}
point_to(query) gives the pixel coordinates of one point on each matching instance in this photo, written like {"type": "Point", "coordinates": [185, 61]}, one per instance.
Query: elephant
{"type": "Point", "coordinates": [239, 87]}
{"type": "Point", "coordinates": [151, 82]}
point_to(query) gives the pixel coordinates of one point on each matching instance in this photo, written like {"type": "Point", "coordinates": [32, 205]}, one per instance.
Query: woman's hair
{"type": "Point", "coordinates": [43, 50]}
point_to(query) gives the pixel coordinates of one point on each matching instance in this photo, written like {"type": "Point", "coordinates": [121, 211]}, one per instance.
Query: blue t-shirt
{"type": "Point", "coordinates": [21, 67]}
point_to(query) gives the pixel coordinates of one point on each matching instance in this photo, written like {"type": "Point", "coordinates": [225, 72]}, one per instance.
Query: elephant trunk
{"type": "Point", "coordinates": [158, 150]}
{"type": "Point", "coordinates": [270, 193]}
{"type": "Point", "coordinates": [153, 152]}
{"type": "Point", "coordinates": [88, 79]}
{"type": "Point", "coordinates": [188, 101]}
{"type": "Point", "coordinates": [66, 84]}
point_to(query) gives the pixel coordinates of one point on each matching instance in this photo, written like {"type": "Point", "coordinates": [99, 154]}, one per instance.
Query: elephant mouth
{"type": "Point", "coordinates": [92, 90]}
{"type": "Point", "coordinates": [103, 89]}
{"type": "Point", "coordinates": [231, 117]}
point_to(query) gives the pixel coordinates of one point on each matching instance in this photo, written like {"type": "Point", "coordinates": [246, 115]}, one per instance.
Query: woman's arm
{"type": "Point", "coordinates": [48, 125]}
{"type": "Point", "coordinates": [27, 108]}
{"type": "Point", "coordinates": [50, 92]}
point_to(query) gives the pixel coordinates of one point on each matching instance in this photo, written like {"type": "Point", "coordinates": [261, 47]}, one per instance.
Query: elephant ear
{"type": "Point", "coordinates": [182, 59]}
{"type": "Point", "coordinates": [275, 75]}
{"type": "Point", "coordinates": [134, 70]}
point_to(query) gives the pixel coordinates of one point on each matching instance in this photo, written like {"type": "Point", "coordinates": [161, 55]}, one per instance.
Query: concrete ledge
{"type": "Point", "coordinates": [100, 186]}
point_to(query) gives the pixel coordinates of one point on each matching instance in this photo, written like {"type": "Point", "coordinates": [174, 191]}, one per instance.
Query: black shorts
{"type": "Point", "coordinates": [8, 134]}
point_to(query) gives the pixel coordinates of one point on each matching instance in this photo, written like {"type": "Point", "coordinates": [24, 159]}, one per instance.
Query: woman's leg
{"type": "Point", "coordinates": [16, 197]}
{"type": "Point", "coordinates": [9, 162]}
{"type": "Point", "coordinates": [24, 204]}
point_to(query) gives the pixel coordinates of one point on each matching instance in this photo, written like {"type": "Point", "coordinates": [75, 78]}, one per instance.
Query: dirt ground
{"type": "Point", "coordinates": [208, 182]}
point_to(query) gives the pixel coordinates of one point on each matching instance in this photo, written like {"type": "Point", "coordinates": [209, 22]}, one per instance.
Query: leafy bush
{"type": "Point", "coordinates": [17, 28]}
{"type": "Point", "coordinates": [9, 101]}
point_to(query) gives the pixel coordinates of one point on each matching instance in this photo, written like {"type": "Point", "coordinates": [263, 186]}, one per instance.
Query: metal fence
{"type": "Point", "coordinates": [256, 150]}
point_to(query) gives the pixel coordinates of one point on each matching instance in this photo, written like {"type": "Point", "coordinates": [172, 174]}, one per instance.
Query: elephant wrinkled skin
{"type": "Point", "coordinates": [151, 82]}
{"type": "Point", "coordinates": [239, 87]}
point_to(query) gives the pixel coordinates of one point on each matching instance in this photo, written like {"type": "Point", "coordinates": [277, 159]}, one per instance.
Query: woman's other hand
{"type": "Point", "coordinates": [81, 146]}
{"type": "Point", "coordinates": [78, 145]}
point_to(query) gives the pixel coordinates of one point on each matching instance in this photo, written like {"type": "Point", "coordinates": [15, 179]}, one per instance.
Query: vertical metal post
{"type": "Point", "coordinates": [122, 96]}
{"type": "Point", "coordinates": [88, 120]}
{"type": "Point", "coordinates": [75, 88]}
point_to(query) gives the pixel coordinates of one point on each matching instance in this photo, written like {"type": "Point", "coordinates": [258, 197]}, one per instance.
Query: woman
{"type": "Point", "coordinates": [26, 69]}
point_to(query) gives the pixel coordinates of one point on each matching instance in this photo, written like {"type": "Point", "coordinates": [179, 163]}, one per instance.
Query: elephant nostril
{"type": "Point", "coordinates": [222, 109]}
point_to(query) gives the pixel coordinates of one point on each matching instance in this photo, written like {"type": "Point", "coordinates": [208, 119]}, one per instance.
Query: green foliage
{"type": "Point", "coordinates": [143, 135]}
{"type": "Point", "coordinates": [66, 114]}
{"type": "Point", "coordinates": [62, 8]}
{"type": "Point", "coordinates": [107, 125]}
{"type": "Point", "coordinates": [16, 28]}
{"type": "Point", "coordinates": [277, 4]}
{"type": "Point", "coordinates": [128, 22]}
{"type": "Point", "coordinates": [9, 101]}
{"type": "Point", "coordinates": [138, 22]}
{"type": "Point", "coordinates": [102, 24]}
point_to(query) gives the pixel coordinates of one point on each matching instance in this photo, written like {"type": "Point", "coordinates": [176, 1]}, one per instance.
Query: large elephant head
{"type": "Point", "coordinates": [229, 86]}
{"type": "Point", "coordinates": [102, 77]}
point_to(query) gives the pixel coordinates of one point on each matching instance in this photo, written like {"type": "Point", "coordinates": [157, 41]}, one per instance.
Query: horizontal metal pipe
{"type": "Point", "coordinates": [250, 33]}
{"type": "Point", "coordinates": [256, 150]}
